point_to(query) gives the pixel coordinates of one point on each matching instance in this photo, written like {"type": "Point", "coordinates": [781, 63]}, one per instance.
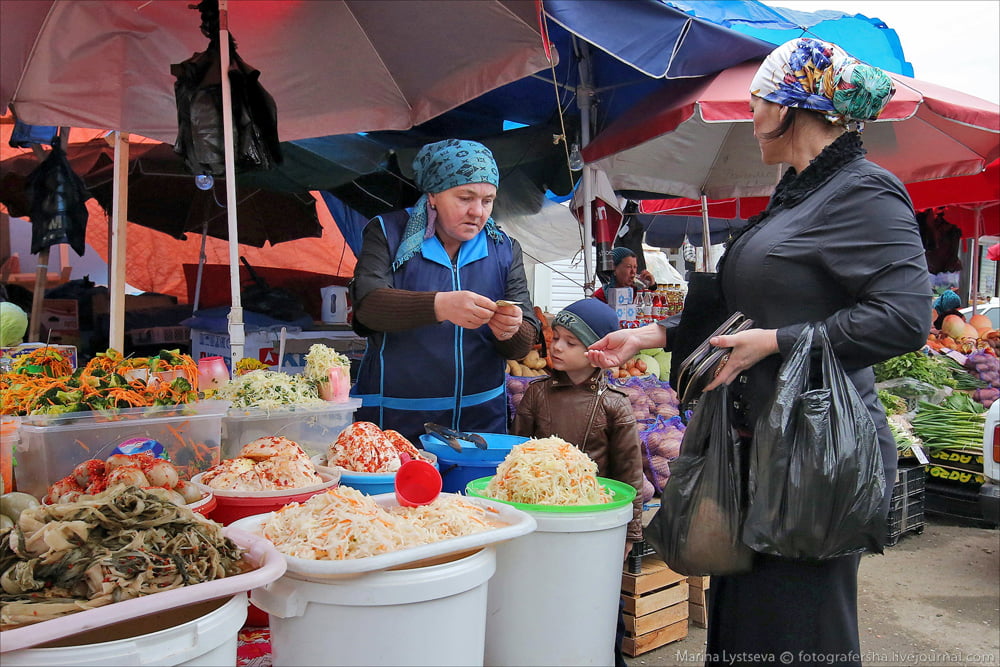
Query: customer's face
{"type": "Point", "coordinates": [766, 118]}
{"type": "Point", "coordinates": [625, 271]}
{"type": "Point", "coordinates": [462, 212]}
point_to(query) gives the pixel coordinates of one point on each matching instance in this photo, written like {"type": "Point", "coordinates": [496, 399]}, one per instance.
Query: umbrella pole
{"type": "Point", "coordinates": [237, 336]}
{"type": "Point", "coordinates": [119, 227]}
{"type": "Point", "coordinates": [706, 236]}
{"type": "Point", "coordinates": [584, 101]}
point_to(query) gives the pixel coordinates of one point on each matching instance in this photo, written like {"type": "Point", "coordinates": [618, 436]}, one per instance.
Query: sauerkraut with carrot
{"type": "Point", "coordinates": [547, 471]}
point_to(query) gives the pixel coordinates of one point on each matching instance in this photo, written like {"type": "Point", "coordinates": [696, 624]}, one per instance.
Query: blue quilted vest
{"type": "Point", "coordinates": [438, 373]}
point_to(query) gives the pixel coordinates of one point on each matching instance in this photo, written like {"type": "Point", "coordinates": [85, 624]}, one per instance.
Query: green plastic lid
{"type": "Point", "coordinates": [621, 494]}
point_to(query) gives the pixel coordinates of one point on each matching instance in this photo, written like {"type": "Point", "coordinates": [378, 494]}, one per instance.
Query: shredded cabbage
{"type": "Point", "coordinates": [320, 359]}
{"type": "Point", "coordinates": [547, 471]}
{"type": "Point", "coordinates": [344, 523]}
{"type": "Point", "coordinates": [268, 389]}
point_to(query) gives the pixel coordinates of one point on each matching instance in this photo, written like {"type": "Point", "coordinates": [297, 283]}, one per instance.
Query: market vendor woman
{"type": "Point", "coordinates": [425, 294]}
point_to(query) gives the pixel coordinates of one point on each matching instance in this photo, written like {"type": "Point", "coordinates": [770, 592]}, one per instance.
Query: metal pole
{"type": "Point", "coordinates": [119, 233]}
{"type": "Point", "coordinates": [706, 236]}
{"type": "Point", "coordinates": [584, 101]}
{"type": "Point", "coordinates": [237, 335]}
{"type": "Point", "coordinates": [202, 258]}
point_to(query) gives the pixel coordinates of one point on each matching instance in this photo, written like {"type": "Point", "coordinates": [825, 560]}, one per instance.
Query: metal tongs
{"type": "Point", "coordinates": [451, 437]}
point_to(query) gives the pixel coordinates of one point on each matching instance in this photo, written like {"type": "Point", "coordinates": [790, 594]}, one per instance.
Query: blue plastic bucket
{"type": "Point", "coordinates": [457, 470]}
{"type": "Point", "coordinates": [373, 483]}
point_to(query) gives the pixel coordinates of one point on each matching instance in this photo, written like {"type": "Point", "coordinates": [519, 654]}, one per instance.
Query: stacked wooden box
{"type": "Point", "coordinates": [697, 604]}
{"type": "Point", "coordinates": [656, 607]}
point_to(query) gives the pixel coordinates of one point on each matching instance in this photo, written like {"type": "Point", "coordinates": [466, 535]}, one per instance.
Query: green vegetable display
{"type": "Point", "coordinates": [950, 425]}
{"type": "Point", "coordinates": [918, 366]}
{"type": "Point", "coordinates": [13, 324]}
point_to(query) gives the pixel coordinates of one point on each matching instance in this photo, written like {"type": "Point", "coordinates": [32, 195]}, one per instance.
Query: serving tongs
{"type": "Point", "coordinates": [451, 437]}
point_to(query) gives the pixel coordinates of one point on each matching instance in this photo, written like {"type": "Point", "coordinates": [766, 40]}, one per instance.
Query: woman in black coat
{"type": "Point", "coordinates": [838, 243]}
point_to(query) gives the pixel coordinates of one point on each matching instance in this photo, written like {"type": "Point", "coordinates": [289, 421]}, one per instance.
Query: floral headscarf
{"type": "Point", "coordinates": [439, 167]}
{"type": "Point", "coordinates": [811, 74]}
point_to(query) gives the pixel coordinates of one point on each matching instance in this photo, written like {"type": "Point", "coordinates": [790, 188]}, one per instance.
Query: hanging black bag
{"type": "Point", "coordinates": [198, 93]}
{"type": "Point", "coordinates": [58, 203]}
{"type": "Point", "coordinates": [696, 531]}
{"type": "Point", "coordinates": [816, 482]}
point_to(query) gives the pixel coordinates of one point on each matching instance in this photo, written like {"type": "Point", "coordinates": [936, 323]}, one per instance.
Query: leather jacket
{"type": "Point", "coordinates": [595, 417]}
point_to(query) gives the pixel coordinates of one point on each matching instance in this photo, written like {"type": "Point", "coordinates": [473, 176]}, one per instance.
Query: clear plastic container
{"type": "Point", "coordinates": [313, 426]}
{"type": "Point", "coordinates": [50, 446]}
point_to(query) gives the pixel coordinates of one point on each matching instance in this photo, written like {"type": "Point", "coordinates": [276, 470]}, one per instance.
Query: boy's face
{"type": "Point", "coordinates": [568, 353]}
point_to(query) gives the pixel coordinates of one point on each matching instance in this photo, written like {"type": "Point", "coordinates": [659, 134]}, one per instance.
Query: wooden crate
{"type": "Point", "coordinates": [656, 607]}
{"type": "Point", "coordinates": [697, 603]}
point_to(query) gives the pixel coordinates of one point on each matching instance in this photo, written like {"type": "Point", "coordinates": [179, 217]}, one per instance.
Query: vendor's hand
{"type": "Point", "coordinates": [647, 277]}
{"type": "Point", "coordinates": [619, 346]}
{"type": "Point", "coordinates": [463, 308]}
{"type": "Point", "coordinates": [506, 321]}
{"type": "Point", "coordinates": [748, 347]}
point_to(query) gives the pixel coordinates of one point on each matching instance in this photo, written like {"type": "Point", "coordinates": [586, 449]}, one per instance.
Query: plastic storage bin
{"type": "Point", "coordinates": [199, 634]}
{"type": "Point", "coordinates": [382, 618]}
{"type": "Point", "coordinates": [50, 446]}
{"type": "Point", "coordinates": [554, 597]}
{"type": "Point", "coordinates": [458, 469]}
{"type": "Point", "coordinates": [313, 427]}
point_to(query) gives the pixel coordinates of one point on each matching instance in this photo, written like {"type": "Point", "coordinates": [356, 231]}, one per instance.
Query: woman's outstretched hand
{"type": "Point", "coordinates": [619, 346]}
{"type": "Point", "coordinates": [463, 308]}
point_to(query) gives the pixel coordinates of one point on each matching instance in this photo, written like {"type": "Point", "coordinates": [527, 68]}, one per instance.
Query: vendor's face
{"type": "Point", "coordinates": [462, 212]}
{"type": "Point", "coordinates": [625, 271]}
{"type": "Point", "coordinates": [568, 354]}
{"type": "Point", "coordinates": [766, 118]}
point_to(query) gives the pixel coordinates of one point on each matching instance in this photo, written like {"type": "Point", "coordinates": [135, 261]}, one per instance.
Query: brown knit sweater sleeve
{"type": "Point", "coordinates": [388, 309]}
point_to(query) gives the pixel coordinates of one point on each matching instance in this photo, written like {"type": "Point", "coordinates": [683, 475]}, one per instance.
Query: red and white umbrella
{"type": "Point", "coordinates": [696, 138]}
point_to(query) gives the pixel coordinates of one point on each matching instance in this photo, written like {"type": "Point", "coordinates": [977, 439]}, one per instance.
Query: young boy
{"type": "Point", "coordinates": [577, 405]}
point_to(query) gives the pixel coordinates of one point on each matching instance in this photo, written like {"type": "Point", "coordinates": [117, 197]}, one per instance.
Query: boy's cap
{"type": "Point", "coordinates": [589, 320]}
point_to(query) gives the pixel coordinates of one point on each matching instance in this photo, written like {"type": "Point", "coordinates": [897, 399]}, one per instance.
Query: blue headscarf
{"type": "Point", "coordinates": [439, 167]}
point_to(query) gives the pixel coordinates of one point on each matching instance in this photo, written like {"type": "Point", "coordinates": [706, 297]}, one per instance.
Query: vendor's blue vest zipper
{"type": "Point", "coordinates": [410, 377]}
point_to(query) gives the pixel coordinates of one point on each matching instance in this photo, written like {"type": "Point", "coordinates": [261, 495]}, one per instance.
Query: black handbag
{"type": "Point", "coordinates": [704, 310]}
{"type": "Point", "coordinates": [701, 366]}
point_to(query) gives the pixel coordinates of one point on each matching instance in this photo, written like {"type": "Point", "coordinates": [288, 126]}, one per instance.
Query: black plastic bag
{"type": "Point", "coordinates": [58, 203]}
{"type": "Point", "coordinates": [816, 481]}
{"type": "Point", "coordinates": [696, 531]}
{"type": "Point", "coordinates": [198, 93]}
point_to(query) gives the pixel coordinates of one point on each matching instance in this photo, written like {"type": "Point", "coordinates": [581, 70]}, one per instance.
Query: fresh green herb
{"type": "Point", "coordinates": [916, 365]}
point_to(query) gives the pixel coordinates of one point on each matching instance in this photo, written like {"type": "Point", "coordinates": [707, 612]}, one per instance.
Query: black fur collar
{"type": "Point", "coordinates": [794, 187]}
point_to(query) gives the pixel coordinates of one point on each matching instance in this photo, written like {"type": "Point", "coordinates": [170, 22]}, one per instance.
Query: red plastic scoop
{"type": "Point", "coordinates": [417, 483]}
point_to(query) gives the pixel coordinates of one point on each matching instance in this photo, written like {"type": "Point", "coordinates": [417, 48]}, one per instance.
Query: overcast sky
{"type": "Point", "coordinates": [954, 43]}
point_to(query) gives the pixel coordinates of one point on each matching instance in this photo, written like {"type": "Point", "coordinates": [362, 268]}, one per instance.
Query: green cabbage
{"type": "Point", "coordinates": [13, 324]}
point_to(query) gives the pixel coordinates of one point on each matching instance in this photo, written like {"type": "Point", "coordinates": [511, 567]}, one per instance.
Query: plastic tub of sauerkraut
{"type": "Point", "coordinates": [383, 617]}
{"type": "Point", "coordinates": [233, 505]}
{"type": "Point", "coordinates": [371, 483]}
{"type": "Point", "coordinates": [554, 597]}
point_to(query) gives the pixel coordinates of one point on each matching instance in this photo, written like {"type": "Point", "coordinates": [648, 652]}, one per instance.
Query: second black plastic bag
{"type": "Point", "coordinates": [697, 528]}
{"type": "Point", "coordinates": [816, 481]}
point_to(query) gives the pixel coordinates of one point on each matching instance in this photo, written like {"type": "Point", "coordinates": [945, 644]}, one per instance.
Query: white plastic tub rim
{"type": "Point", "coordinates": [581, 522]}
{"type": "Point", "coordinates": [289, 597]}
{"type": "Point", "coordinates": [210, 639]}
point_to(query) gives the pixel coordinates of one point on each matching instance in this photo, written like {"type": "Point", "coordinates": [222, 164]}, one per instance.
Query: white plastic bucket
{"type": "Point", "coordinates": [390, 617]}
{"type": "Point", "coordinates": [554, 597]}
{"type": "Point", "coordinates": [199, 634]}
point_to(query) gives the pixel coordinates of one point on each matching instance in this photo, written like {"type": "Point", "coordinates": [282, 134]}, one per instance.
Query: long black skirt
{"type": "Point", "coordinates": [786, 612]}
